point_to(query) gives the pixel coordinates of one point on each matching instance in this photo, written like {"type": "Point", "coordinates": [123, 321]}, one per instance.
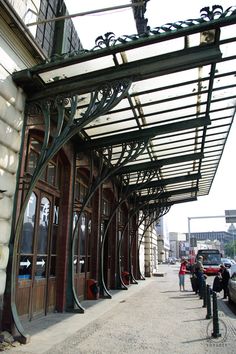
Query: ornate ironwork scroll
{"type": "Point", "coordinates": [207, 15]}
{"type": "Point", "coordinates": [108, 40]}
{"type": "Point", "coordinates": [150, 216]}
{"type": "Point", "coordinates": [143, 178]}
{"type": "Point", "coordinates": [68, 124]}
{"type": "Point", "coordinates": [106, 169]}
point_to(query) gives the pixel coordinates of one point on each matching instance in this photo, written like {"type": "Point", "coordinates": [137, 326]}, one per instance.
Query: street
{"type": "Point", "coordinates": [149, 318]}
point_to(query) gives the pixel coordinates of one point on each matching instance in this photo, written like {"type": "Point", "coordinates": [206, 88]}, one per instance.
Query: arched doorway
{"type": "Point", "coordinates": [39, 251]}
{"type": "Point", "coordinates": [82, 233]}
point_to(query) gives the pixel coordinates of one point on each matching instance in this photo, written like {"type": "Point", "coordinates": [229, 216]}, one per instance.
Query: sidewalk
{"type": "Point", "coordinates": [150, 318]}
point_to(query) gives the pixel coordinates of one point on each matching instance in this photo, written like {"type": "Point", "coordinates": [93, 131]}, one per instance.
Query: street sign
{"type": "Point", "coordinates": [230, 216]}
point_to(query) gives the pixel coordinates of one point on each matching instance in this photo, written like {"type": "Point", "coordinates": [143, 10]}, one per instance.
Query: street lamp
{"type": "Point", "coordinates": [233, 229]}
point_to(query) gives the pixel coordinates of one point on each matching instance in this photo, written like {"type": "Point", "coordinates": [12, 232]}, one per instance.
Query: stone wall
{"type": "Point", "coordinates": [11, 116]}
{"type": "Point", "coordinates": [13, 57]}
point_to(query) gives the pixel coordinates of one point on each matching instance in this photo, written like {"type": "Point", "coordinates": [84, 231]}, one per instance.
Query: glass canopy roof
{"type": "Point", "coordinates": [180, 104]}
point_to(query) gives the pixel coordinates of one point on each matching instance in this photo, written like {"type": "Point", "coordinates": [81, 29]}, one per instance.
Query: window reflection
{"type": "Point", "coordinates": [33, 159]}
{"type": "Point", "coordinates": [82, 235]}
{"type": "Point", "coordinates": [25, 267]}
{"type": "Point", "coordinates": [75, 231]}
{"type": "Point", "coordinates": [43, 226]}
{"type": "Point", "coordinates": [28, 226]}
{"type": "Point", "coordinates": [82, 230]}
{"type": "Point", "coordinates": [41, 265]}
{"type": "Point", "coordinates": [51, 178]}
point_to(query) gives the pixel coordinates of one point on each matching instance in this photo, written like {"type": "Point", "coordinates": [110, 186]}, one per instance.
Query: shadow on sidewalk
{"type": "Point", "coordinates": [196, 340]}
{"type": "Point", "coordinates": [45, 322]}
{"type": "Point", "coordinates": [180, 297]}
{"type": "Point", "coordinates": [169, 291]}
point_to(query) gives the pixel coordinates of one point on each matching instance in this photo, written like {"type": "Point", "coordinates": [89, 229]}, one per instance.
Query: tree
{"type": "Point", "coordinates": [230, 249]}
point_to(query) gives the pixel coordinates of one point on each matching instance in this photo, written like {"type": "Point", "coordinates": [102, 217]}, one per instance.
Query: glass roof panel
{"type": "Point", "coordinates": [179, 81]}
{"type": "Point", "coordinates": [165, 82]}
{"type": "Point", "coordinates": [155, 49]}
{"type": "Point", "coordinates": [77, 69]}
{"type": "Point", "coordinates": [227, 32]}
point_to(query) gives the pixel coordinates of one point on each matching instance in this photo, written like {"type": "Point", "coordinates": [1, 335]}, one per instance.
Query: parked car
{"type": "Point", "coordinates": [227, 262]}
{"type": "Point", "coordinates": [172, 260]}
{"type": "Point", "coordinates": [232, 284]}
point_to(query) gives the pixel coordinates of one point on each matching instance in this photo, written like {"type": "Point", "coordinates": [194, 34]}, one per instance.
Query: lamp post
{"type": "Point", "coordinates": [233, 244]}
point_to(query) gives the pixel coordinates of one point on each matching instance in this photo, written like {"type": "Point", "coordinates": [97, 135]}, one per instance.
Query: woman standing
{"type": "Point", "coordinates": [182, 272]}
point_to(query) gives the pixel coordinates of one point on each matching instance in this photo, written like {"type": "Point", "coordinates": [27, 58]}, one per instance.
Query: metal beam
{"type": "Point", "coordinates": [136, 70]}
{"type": "Point", "coordinates": [161, 204]}
{"type": "Point", "coordinates": [144, 134]}
{"type": "Point", "coordinates": [155, 165]}
{"type": "Point", "coordinates": [80, 14]}
{"type": "Point", "coordinates": [167, 194]}
{"type": "Point", "coordinates": [164, 182]}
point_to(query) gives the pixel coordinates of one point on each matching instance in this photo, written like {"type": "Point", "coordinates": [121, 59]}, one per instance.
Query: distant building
{"type": "Point", "coordinates": [163, 242]}
{"type": "Point", "coordinates": [177, 243]}
{"type": "Point", "coordinates": [222, 236]}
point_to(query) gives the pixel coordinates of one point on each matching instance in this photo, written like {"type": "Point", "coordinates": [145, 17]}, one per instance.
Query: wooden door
{"type": "Point", "coordinates": [107, 258]}
{"type": "Point", "coordinates": [36, 290]}
{"type": "Point", "coordinates": [82, 254]}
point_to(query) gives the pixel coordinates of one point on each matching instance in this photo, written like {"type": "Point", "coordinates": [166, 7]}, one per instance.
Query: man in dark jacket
{"type": "Point", "coordinates": [217, 283]}
{"type": "Point", "coordinates": [199, 271]}
{"type": "Point", "coordinates": [225, 279]}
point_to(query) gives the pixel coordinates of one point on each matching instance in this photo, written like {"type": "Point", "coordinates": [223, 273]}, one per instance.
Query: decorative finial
{"type": "Point", "coordinates": [216, 11]}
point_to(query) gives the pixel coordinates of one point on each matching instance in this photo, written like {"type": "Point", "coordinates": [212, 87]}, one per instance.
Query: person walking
{"type": "Point", "coordinates": [182, 272]}
{"type": "Point", "coordinates": [225, 280]}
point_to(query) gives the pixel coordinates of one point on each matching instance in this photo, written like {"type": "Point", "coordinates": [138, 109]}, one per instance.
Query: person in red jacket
{"type": "Point", "coordinates": [182, 272]}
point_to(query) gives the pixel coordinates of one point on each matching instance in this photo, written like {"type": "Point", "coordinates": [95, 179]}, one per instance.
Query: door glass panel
{"type": "Point", "coordinates": [55, 227]}
{"type": "Point", "coordinates": [82, 234]}
{"type": "Point", "coordinates": [28, 226]}
{"type": "Point", "coordinates": [82, 264]}
{"type": "Point", "coordinates": [43, 174]}
{"type": "Point", "coordinates": [76, 190]}
{"type": "Point", "coordinates": [25, 269]}
{"type": "Point", "coordinates": [41, 265]}
{"type": "Point", "coordinates": [42, 257]}
{"type": "Point", "coordinates": [51, 174]}
{"type": "Point", "coordinates": [58, 175]}
{"type": "Point", "coordinates": [43, 226]}
{"type": "Point", "coordinates": [75, 235]}
{"type": "Point", "coordinates": [54, 239]}
{"type": "Point", "coordinates": [53, 266]}
{"type": "Point", "coordinates": [89, 246]}
{"type": "Point", "coordinates": [82, 241]}
{"type": "Point", "coordinates": [32, 162]}
{"type": "Point", "coordinates": [36, 145]}
{"type": "Point", "coordinates": [54, 233]}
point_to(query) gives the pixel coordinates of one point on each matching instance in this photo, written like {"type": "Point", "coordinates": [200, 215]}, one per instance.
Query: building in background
{"type": "Point", "coordinates": [163, 241]}
{"type": "Point", "coordinates": [176, 243]}
{"type": "Point", "coordinates": [222, 236]}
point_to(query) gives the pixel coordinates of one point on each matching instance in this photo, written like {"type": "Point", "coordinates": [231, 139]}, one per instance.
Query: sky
{"type": "Point", "coordinates": [207, 213]}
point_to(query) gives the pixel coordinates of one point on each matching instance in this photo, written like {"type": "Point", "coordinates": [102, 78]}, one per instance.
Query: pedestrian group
{"type": "Point", "coordinates": [198, 277]}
